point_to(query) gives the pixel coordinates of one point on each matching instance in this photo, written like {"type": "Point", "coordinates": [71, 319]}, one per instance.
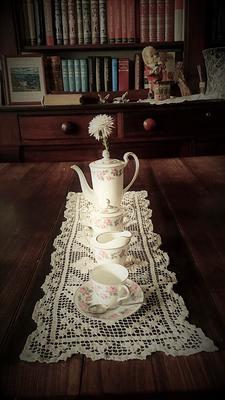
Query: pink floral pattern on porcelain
{"type": "Point", "coordinates": [106, 292]}
{"type": "Point", "coordinates": [106, 222]}
{"type": "Point", "coordinates": [101, 254]}
{"type": "Point", "coordinates": [108, 174]}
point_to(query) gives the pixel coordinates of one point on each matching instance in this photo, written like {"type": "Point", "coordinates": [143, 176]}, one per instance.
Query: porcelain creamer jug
{"type": "Point", "coordinates": [107, 180]}
{"type": "Point", "coordinates": [111, 246]}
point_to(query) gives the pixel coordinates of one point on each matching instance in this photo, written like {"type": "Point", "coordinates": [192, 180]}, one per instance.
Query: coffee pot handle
{"type": "Point", "coordinates": [126, 159]}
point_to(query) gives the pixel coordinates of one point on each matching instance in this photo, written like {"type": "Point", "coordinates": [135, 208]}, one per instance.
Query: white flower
{"type": "Point", "coordinates": [101, 127]}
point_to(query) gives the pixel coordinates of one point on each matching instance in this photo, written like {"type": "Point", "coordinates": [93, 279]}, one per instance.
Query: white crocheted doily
{"type": "Point", "coordinates": [159, 325]}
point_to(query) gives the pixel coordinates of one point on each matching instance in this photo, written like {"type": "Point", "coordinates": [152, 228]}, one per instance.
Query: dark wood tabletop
{"type": "Point", "coordinates": [187, 197]}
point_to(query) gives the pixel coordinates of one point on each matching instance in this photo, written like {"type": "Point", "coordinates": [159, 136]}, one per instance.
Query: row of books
{"type": "Point", "coordinates": [92, 74]}
{"type": "Point", "coordinates": [162, 20]}
{"type": "Point", "coordinates": [78, 22]}
{"type": "Point", "coordinates": [101, 74]}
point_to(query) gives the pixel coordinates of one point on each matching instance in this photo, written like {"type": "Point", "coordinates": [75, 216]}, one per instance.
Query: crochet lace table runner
{"type": "Point", "coordinates": [159, 325]}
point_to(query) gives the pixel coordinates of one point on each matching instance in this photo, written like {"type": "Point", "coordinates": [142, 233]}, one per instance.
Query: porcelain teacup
{"type": "Point", "coordinates": [111, 246]}
{"type": "Point", "coordinates": [109, 284]}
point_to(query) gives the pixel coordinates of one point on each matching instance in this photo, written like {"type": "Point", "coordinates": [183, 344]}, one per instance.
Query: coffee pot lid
{"type": "Point", "coordinates": [106, 161]}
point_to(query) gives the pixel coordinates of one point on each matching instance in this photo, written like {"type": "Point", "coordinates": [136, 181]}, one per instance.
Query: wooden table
{"type": "Point", "coordinates": [188, 202]}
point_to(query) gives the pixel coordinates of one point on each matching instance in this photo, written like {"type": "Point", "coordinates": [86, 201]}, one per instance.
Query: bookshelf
{"type": "Point", "coordinates": [201, 30]}
{"type": "Point", "coordinates": [116, 41]}
{"type": "Point", "coordinates": [51, 133]}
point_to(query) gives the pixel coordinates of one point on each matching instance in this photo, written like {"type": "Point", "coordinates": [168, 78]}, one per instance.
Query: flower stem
{"type": "Point", "coordinates": [104, 142]}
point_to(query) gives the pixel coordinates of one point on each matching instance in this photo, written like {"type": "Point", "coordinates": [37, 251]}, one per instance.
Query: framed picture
{"type": "Point", "coordinates": [25, 79]}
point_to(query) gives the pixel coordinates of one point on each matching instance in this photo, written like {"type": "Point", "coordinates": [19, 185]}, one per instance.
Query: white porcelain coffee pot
{"type": "Point", "coordinates": [107, 180]}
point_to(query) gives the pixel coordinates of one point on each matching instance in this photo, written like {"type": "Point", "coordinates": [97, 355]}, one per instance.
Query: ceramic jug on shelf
{"type": "Point", "coordinates": [107, 180]}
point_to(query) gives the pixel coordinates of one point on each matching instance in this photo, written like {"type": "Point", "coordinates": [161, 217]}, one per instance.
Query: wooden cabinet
{"type": "Point", "coordinates": [66, 128]}
{"type": "Point", "coordinates": [9, 137]}
{"type": "Point", "coordinates": [61, 133]}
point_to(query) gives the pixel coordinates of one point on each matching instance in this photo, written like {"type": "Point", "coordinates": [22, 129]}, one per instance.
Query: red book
{"type": "Point", "coordinates": [153, 20]}
{"type": "Point", "coordinates": [56, 73]}
{"type": "Point", "coordinates": [137, 21]}
{"type": "Point", "coordinates": [110, 21]}
{"type": "Point", "coordinates": [123, 5]}
{"type": "Point", "coordinates": [49, 34]}
{"type": "Point", "coordinates": [169, 20]}
{"type": "Point", "coordinates": [117, 21]}
{"type": "Point", "coordinates": [160, 20]}
{"type": "Point", "coordinates": [131, 21]}
{"type": "Point", "coordinates": [123, 73]}
{"type": "Point", "coordinates": [144, 11]}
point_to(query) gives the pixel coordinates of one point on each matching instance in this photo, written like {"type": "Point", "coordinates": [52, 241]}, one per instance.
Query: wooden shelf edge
{"type": "Point", "coordinates": [100, 47]}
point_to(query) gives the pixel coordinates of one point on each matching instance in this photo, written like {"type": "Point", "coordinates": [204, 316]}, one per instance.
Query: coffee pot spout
{"type": "Point", "coordinates": [87, 191]}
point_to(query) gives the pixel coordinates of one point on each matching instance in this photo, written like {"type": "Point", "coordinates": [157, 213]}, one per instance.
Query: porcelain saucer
{"type": "Point", "coordinates": [85, 296]}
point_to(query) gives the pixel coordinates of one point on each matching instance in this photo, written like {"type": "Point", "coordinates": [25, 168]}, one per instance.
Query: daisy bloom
{"type": "Point", "coordinates": [101, 128]}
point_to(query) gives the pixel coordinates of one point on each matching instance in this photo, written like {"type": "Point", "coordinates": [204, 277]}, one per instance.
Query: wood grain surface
{"type": "Point", "coordinates": [187, 197]}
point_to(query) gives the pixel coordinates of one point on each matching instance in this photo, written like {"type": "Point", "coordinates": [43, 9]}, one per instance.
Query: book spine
{"type": "Point", "coordinates": [65, 21]}
{"type": "Point", "coordinates": [103, 21]}
{"type": "Point", "coordinates": [152, 20]}
{"type": "Point", "coordinates": [86, 15]}
{"type": "Point", "coordinates": [72, 22]}
{"type": "Point", "coordinates": [60, 99]}
{"type": "Point", "coordinates": [178, 20]}
{"type": "Point", "coordinates": [31, 22]}
{"type": "Point", "coordinates": [137, 21]}
{"type": "Point", "coordinates": [65, 75]}
{"type": "Point", "coordinates": [99, 73]}
{"type": "Point", "coordinates": [84, 75]}
{"type": "Point", "coordinates": [117, 21]}
{"type": "Point", "coordinates": [114, 74]}
{"type": "Point", "coordinates": [91, 74]}
{"type": "Point", "coordinates": [138, 72]}
{"type": "Point", "coordinates": [49, 34]}
{"type": "Point", "coordinates": [169, 20]}
{"type": "Point", "coordinates": [58, 22]}
{"type": "Point", "coordinates": [77, 75]}
{"type": "Point", "coordinates": [39, 21]}
{"type": "Point", "coordinates": [144, 13]}
{"type": "Point", "coordinates": [160, 20]}
{"type": "Point", "coordinates": [107, 74]}
{"type": "Point", "coordinates": [110, 21]}
{"type": "Point", "coordinates": [25, 24]}
{"type": "Point", "coordinates": [123, 72]}
{"type": "Point", "coordinates": [131, 37]}
{"type": "Point", "coordinates": [57, 82]}
{"type": "Point", "coordinates": [123, 5]}
{"type": "Point", "coordinates": [40, 37]}
{"type": "Point", "coordinates": [95, 27]}
{"type": "Point", "coordinates": [80, 34]}
{"type": "Point", "coordinates": [71, 75]}
{"type": "Point", "coordinates": [48, 73]}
